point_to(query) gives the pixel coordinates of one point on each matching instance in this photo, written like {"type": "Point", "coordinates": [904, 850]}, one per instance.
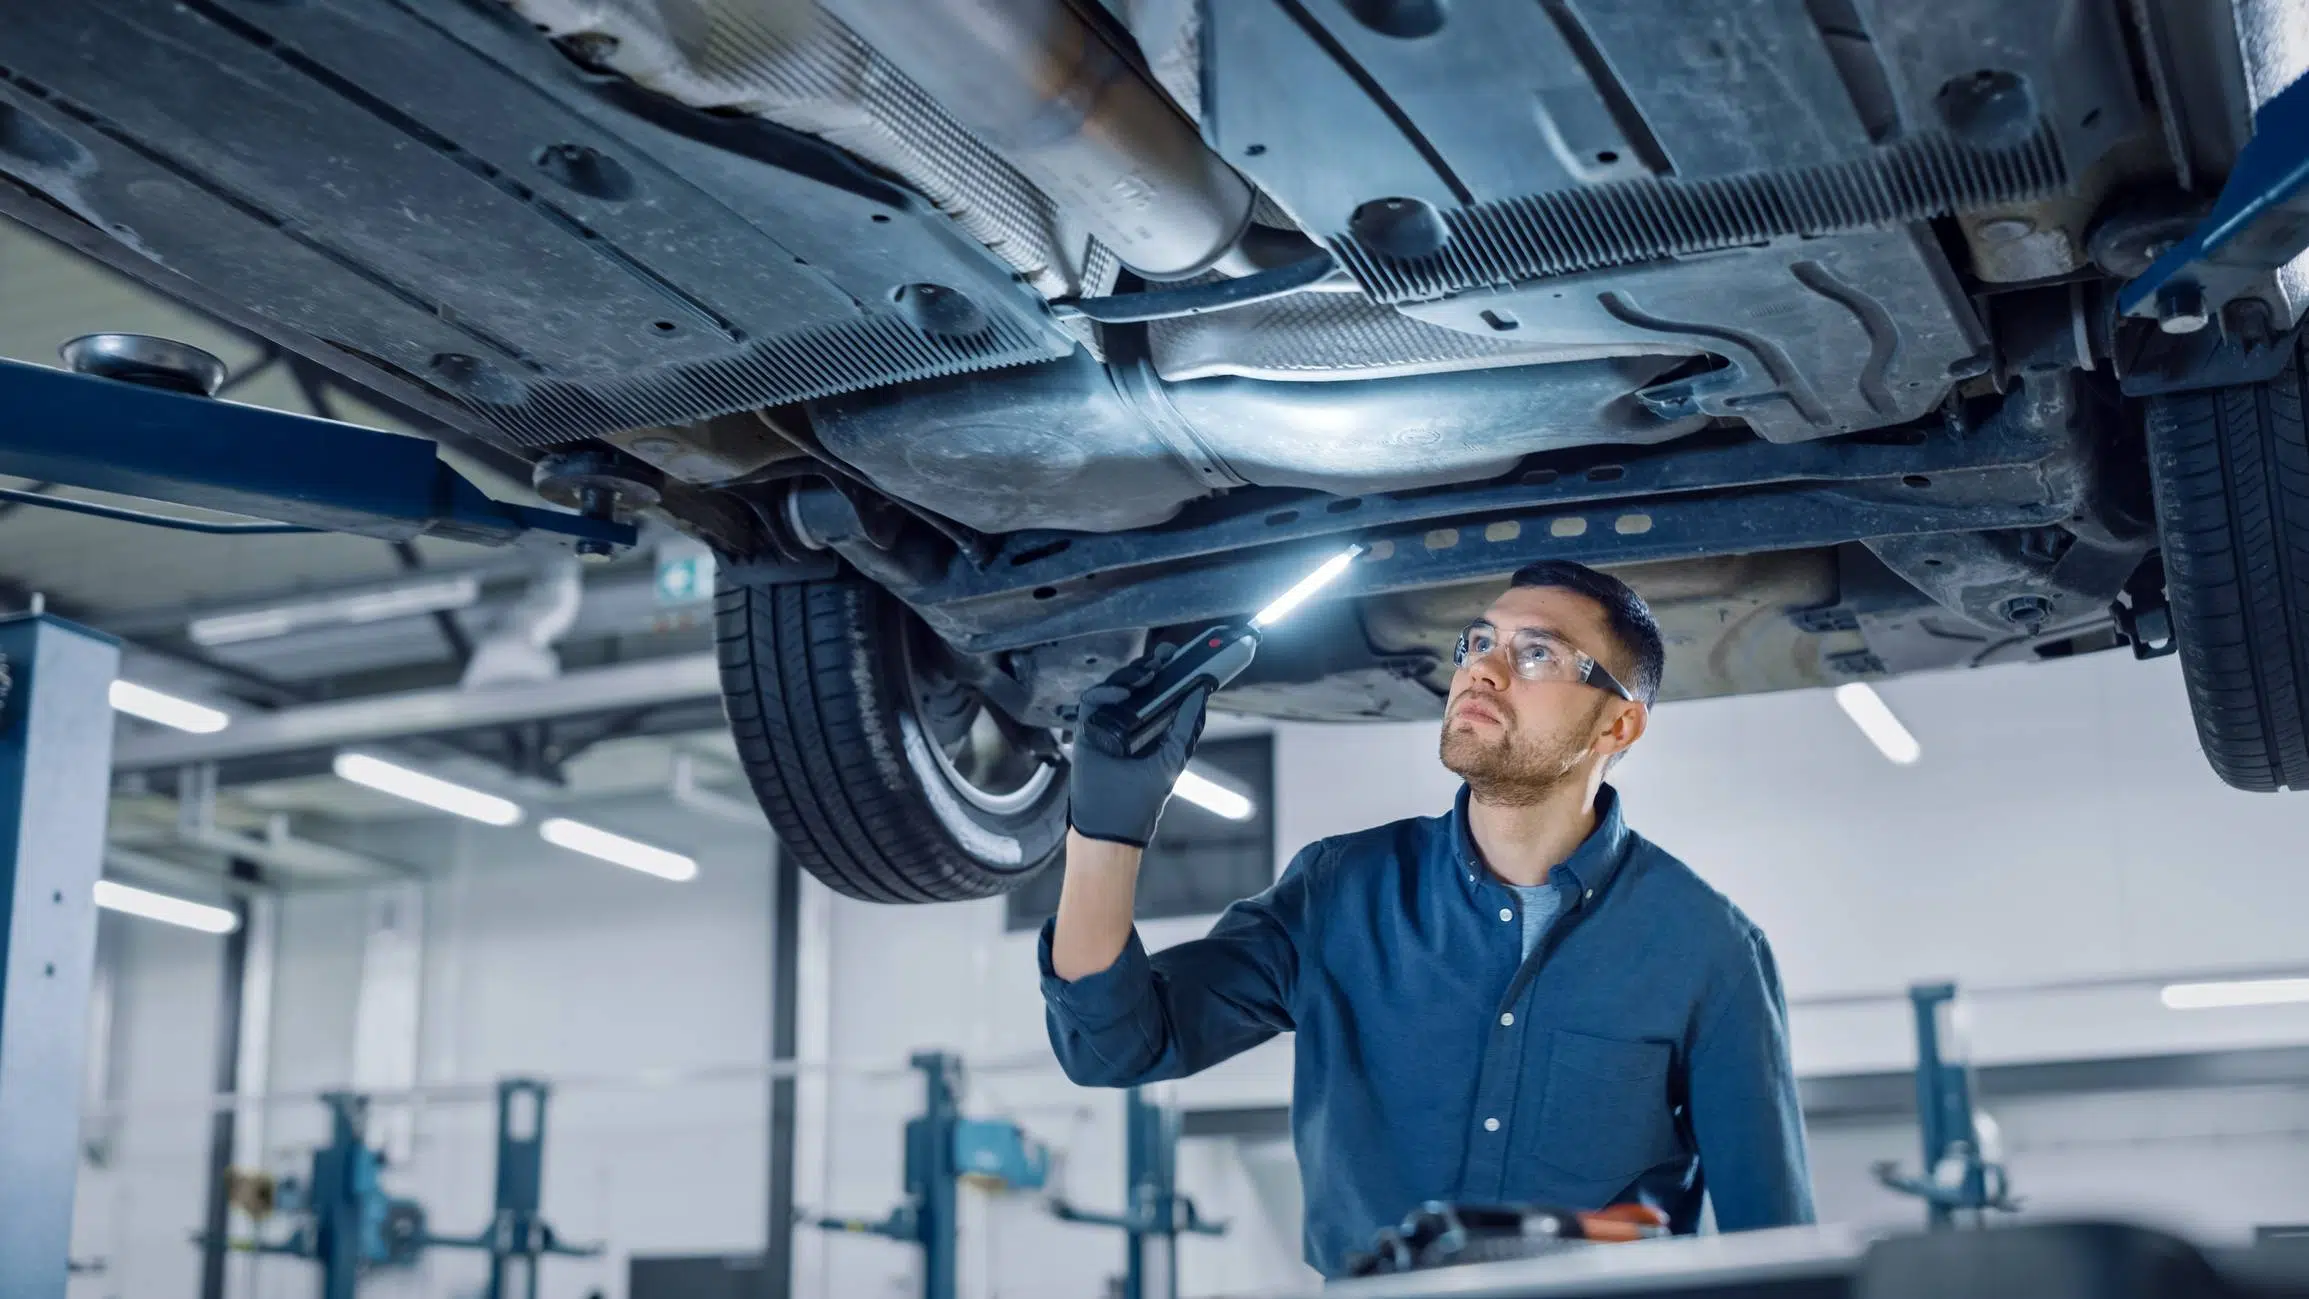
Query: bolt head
{"type": "Point", "coordinates": [2181, 309]}
{"type": "Point", "coordinates": [2003, 230]}
{"type": "Point", "coordinates": [595, 552]}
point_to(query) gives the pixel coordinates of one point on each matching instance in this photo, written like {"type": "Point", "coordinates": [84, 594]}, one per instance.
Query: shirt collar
{"type": "Point", "coordinates": [1590, 867]}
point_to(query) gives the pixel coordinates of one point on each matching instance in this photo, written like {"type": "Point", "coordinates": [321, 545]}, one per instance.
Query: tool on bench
{"type": "Point", "coordinates": [1212, 659]}
{"type": "Point", "coordinates": [1441, 1234]}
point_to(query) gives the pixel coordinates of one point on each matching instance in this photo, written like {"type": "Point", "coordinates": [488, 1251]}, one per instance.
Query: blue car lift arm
{"type": "Point", "coordinates": [2260, 223]}
{"type": "Point", "coordinates": [114, 436]}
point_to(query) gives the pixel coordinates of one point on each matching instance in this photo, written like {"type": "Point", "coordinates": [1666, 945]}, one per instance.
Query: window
{"type": "Point", "coordinates": [1199, 862]}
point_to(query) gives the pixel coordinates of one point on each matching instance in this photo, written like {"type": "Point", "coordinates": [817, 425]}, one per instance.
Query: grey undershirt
{"type": "Point", "coordinates": [1540, 903]}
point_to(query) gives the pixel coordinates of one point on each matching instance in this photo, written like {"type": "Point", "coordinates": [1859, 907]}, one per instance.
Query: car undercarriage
{"type": "Point", "coordinates": [988, 341]}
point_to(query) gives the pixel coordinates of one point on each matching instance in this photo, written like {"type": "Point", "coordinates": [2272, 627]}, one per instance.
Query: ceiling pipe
{"type": "Point", "coordinates": [519, 649]}
{"type": "Point", "coordinates": [643, 683]}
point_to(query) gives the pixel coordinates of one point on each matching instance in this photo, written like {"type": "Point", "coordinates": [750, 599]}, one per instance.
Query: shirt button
{"type": "Point", "coordinates": [1506, 914]}
{"type": "Point", "coordinates": [1491, 1125]}
{"type": "Point", "coordinates": [1591, 894]}
{"type": "Point", "coordinates": [1507, 1020]}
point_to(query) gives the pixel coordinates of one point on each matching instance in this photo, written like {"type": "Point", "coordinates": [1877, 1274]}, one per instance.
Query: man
{"type": "Point", "coordinates": [1521, 1000]}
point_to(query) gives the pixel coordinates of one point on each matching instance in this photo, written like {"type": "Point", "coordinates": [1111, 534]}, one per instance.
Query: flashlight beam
{"type": "Point", "coordinates": [1307, 586]}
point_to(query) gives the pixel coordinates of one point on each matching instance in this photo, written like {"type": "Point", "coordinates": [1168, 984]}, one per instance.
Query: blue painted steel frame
{"type": "Point", "coordinates": [347, 1208]}
{"type": "Point", "coordinates": [1945, 1122]}
{"type": "Point", "coordinates": [55, 774]}
{"type": "Point", "coordinates": [1157, 1214]}
{"type": "Point", "coordinates": [941, 1148]}
{"type": "Point", "coordinates": [2260, 222]}
{"type": "Point", "coordinates": [110, 436]}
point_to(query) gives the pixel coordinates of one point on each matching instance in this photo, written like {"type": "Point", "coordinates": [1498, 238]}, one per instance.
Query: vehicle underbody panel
{"type": "Point", "coordinates": [1787, 309]}
{"type": "Point", "coordinates": [431, 187]}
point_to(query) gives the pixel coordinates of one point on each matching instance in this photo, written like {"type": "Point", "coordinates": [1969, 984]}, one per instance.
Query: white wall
{"type": "Point", "coordinates": [2061, 826]}
{"type": "Point", "coordinates": [536, 961]}
{"type": "Point", "coordinates": [2210, 1164]}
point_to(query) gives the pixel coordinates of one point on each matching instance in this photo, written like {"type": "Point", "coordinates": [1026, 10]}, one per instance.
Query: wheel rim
{"type": "Point", "coordinates": [973, 751]}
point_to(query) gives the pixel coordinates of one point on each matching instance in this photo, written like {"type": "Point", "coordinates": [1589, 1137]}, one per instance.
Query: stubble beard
{"type": "Point", "coordinates": [1511, 769]}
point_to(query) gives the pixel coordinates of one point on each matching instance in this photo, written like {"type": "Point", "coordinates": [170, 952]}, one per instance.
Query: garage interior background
{"type": "Point", "coordinates": [2059, 849]}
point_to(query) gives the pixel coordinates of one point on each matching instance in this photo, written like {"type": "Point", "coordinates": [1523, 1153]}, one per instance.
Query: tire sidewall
{"type": "Point", "coordinates": [1008, 847]}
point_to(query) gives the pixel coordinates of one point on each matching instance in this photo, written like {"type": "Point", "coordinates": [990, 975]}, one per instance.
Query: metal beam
{"type": "Point", "coordinates": [647, 683]}
{"type": "Point", "coordinates": [111, 436]}
{"type": "Point", "coordinates": [777, 1279]}
{"type": "Point", "coordinates": [55, 742]}
{"type": "Point", "coordinates": [228, 1060]}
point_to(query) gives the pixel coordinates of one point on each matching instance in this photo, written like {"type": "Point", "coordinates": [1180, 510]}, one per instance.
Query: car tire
{"type": "Point", "coordinates": [837, 707]}
{"type": "Point", "coordinates": [2231, 473]}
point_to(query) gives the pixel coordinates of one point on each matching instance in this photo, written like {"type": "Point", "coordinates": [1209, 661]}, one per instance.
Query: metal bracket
{"type": "Point", "coordinates": [2260, 223]}
{"type": "Point", "coordinates": [107, 435]}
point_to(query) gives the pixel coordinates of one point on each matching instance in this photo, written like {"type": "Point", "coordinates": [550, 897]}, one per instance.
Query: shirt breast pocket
{"type": "Point", "coordinates": [1604, 1116]}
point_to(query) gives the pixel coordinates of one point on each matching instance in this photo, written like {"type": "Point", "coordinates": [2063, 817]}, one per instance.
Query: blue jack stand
{"type": "Point", "coordinates": [55, 774]}
{"type": "Point", "coordinates": [350, 1225]}
{"type": "Point", "coordinates": [1958, 1185]}
{"type": "Point", "coordinates": [942, 1148]}
{"type": "Point", "coordinates": [1158, 1214]}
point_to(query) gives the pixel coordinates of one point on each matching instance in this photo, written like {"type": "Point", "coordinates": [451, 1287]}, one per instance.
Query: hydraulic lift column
{"type": "Point", "coordinates": [55, 776]}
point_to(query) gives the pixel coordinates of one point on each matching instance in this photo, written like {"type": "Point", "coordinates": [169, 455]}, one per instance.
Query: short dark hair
{"type": "Point", "coordinates": [1625, 613]}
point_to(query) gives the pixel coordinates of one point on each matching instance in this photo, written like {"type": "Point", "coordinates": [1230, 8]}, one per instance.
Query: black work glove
{"type": "Point", "coordinates": [1112, 795]}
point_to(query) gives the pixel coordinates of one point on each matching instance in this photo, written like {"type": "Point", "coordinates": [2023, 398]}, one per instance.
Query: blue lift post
{"type": "Point", "coordinates": [942, 1148]}
{"type": "Point", "coordinates": [1956, 1179]}
{"type": "Point", "coordinates": [517, 1231]}
{"type": "Point", "coordinates": [1158, 1214]}
{"type": "Point", "coordinates": [55, 775]}
{"type": "Point", "coordinates": [351, 1225]}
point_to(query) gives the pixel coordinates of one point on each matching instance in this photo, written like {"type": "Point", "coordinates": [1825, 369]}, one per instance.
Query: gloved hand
{"type": "Point", "coordinates": [1117, 797]}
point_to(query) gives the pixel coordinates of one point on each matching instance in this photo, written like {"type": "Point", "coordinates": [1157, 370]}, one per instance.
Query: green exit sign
{"type": "Point", "coordinates": [685, 578]}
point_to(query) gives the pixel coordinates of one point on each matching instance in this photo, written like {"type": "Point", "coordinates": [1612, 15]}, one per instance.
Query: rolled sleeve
{"type": "Point", "coordinates": [1146, 1019]}
{"type": "Point", "coordinates": [1746, 1113]}
{"type": "Point", "coordinates": [1097, 1022]}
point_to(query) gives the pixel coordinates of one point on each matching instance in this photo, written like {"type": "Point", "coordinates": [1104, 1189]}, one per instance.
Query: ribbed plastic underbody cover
{"type": "Point", "coordinates": [431, 185]}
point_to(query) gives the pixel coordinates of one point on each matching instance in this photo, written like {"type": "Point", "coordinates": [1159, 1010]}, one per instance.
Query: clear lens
{"type": "Point", "coordinates": [1534, 656]}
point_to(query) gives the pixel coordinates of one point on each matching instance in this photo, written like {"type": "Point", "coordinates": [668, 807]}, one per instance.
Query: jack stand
{"type": "Point", "coordinates": [350, 1225]}
{"type": "Point", "coordinates": [942, 1148]}
{"type": "Point", "coordinates": [1957, 1179]}
{"type": "Point", "coordinates": [1158, 1214]}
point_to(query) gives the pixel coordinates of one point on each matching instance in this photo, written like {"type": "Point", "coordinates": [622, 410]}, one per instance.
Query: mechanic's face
{"type": "Point", "coordinates": [1513, 741]}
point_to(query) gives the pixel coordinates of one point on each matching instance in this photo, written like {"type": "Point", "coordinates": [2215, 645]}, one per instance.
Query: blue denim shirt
{"type": "Point", "coordinates": [1639, 1054]}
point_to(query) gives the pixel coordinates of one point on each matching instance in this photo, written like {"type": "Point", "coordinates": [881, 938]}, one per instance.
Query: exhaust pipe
{"type": "Point", "coordinates": [1041, 88]}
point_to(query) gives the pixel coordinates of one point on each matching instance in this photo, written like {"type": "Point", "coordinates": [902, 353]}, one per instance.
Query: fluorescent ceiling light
{"type": "Point", "coordinates": [168, 710]}
{"type": "Point", "coordinates": [114, 896]}
{"type": "Point", "coordinates": [405, 600]}
{"type": "Point", "coordinates": [1308, 585]}
{"type": "Point", "coordinates": [1869, 712]}
{"type": "Point", "coordinates": [633, 854]}
{"type": "Point", "coordinates": [432, 791]}
{"type": "Point", "coordinates": [1212, 796]}
{"type": "Point", "coordinates": [2235, 992]}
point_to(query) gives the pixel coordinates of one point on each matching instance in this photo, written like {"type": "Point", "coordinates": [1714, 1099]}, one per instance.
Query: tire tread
{"type": "Point", "coordinates": [812, 718]}
{"type": "Point", "coordinates": [2231, 471]}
